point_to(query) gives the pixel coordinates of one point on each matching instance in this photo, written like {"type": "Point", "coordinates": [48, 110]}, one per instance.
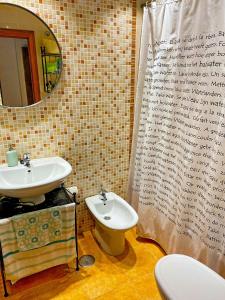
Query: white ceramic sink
{"type": "Point", "coordinates": [44, 175]}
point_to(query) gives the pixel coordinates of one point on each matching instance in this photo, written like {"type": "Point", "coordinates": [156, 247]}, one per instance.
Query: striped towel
{"type": "Point", "coordinates": [19, 264]}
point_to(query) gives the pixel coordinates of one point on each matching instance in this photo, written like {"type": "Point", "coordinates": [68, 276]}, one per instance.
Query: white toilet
{"type": "Point", "coordinates": [180, 277]}
{"type": "Point", "coordinates": [113, 217]}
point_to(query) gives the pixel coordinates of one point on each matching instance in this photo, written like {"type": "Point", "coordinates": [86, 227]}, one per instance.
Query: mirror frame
{"type": "Point", "coordinates": [29, 35]}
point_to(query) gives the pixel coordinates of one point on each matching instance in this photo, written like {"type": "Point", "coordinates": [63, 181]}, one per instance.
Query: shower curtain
{"type": "Point", "coordinates": [177, 171]}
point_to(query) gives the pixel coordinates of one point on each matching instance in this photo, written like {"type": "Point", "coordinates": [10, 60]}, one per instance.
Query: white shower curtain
{"type": "Point", "coordinates": [177, 172]}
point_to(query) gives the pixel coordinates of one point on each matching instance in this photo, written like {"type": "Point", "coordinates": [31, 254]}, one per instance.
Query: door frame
{"type": "Point", "coordinates": [30, 37]}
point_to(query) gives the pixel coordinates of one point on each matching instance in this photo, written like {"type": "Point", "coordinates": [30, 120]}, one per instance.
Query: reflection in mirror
{"type": "Point", "coordinates": [30, 57]}
{"type": "Point", "coordinates": [11, 50]}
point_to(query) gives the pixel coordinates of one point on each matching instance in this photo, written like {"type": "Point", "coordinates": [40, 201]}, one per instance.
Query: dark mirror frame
{"type": "Point", "coordinates": [29, 35]}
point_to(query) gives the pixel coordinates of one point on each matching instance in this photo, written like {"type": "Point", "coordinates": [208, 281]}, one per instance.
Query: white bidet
{"type": "Point", "coordinates": [113, 217]}
{"type": "Point", "coordinates": [181, 277]}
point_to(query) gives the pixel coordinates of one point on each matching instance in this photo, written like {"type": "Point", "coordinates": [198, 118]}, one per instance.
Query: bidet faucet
{"type": "Point", "coordinates": [26, 160]}
{"type": "Point", "coordinates": [103, 194]}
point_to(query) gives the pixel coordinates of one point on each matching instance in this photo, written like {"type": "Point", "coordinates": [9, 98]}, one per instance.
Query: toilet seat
{"type": "Point", "coordinates": [181, 277]}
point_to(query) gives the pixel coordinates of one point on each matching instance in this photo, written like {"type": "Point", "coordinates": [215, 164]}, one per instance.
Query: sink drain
{"type": "Point", "coordinates": [86, 260]}
{"type": "Point", "coordinates": [107, 218]}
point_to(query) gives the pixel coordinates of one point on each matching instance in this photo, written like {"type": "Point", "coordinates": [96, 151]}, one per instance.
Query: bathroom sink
{"type": "Point", "coordinates": [44, 175]}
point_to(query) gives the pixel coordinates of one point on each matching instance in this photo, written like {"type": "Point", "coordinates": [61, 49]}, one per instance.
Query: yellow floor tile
{"type": "Point", "coordinates": [145, 289]}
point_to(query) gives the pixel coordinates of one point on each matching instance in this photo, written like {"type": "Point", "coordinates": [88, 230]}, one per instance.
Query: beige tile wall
{"type": "Point", "coordinates": [87, 119]}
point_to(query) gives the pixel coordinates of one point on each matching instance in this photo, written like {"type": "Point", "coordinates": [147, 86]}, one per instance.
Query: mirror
{"type": "Point", "coordinates": [30, 57]}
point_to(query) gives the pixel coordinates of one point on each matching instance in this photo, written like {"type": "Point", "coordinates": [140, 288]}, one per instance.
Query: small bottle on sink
{"type": "Point", "coordinates": [12, 157]}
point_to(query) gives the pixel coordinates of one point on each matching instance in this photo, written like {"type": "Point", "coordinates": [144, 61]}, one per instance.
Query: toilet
{"type": "Point", "coordinates": [180, 277]}
{"type": "Point", "coordinates": [113, 217]}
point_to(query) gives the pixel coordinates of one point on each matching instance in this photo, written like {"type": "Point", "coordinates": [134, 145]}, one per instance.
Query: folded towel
{"type": "Point", "coordinates": [19, 264]}
{"type": "Point", "coordinates": [37, 229]}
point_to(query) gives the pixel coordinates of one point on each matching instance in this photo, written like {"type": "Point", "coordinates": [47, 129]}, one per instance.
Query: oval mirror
{"type": "Point", "coordinates": [30, 57]}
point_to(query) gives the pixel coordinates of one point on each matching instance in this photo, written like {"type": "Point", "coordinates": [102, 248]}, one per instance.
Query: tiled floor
{"type": "Point", "coordinates": [129, 276]}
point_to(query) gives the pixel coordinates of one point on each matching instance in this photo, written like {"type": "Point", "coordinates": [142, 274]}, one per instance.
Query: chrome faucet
{"type": "Point", "coordinates": [26, 160]}
{"type": "Point", "coordinates": [103, 194]}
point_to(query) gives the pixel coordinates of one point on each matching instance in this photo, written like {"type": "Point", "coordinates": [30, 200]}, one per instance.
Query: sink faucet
{"type": "Point", "coordinates": [103, 194]}
{"type": "Point", "coordinates": [26, 160]}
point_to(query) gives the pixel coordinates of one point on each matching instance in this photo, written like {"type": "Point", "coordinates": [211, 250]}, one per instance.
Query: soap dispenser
{"type": "Point", "coordinates": [12, 157]}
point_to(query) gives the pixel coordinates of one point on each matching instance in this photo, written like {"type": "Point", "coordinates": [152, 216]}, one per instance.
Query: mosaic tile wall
{"type": "Point", "coordinates": [87, 119]}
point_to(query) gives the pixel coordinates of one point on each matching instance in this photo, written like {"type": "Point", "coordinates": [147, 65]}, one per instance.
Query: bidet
{"type": "Point", "coordinates": [113, 218]}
